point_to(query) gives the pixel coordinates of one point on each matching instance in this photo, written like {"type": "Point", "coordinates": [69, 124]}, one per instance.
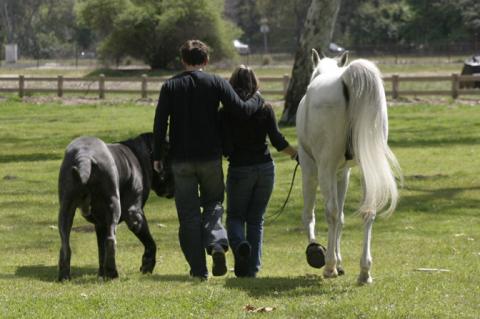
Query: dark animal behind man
{"type": "Point", "coordinates": [110, 183]}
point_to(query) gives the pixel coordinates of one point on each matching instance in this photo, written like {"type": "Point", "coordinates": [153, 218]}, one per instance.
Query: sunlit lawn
{"type": "Point", "coordinates": [435, 226]}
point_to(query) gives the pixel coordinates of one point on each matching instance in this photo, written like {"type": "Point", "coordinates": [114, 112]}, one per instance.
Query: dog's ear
{"type": "Point", "coordinates": [147, 139]}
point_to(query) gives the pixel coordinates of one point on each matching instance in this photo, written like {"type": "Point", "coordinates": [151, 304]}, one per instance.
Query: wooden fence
{"type": "Point", "coordinates": [57, 85]}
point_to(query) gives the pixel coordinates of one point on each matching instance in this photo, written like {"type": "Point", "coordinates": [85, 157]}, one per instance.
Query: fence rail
{"type": "Point", "coordinates": [460, 85]}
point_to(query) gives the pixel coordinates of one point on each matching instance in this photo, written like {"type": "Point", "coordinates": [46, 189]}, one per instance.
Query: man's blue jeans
{"type": "Point", "coordinates": [248, 191]}
{"type": "Point", "coordinates": [199, 185]}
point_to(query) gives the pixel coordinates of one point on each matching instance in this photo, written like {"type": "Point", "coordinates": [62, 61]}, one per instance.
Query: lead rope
{"type": "Point", "coordinates": [273, 217]}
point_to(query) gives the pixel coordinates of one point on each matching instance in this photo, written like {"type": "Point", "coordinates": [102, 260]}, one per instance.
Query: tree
{"type": "Point", "coordinates": [152, 31]}
{"type": "Point", "coordinates": [436, 21]}
{"type": "Point", "coordinates": [317, 33]}
{"type": "Point", "coordinates": [378, 23]}
{"type": "Point", "coordinates": [285, 19]}
{"type": "Point", "coordinates": [41, 28]}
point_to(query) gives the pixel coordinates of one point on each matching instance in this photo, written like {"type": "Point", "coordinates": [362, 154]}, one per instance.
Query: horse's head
{"type": "Point", "coordinates": [324, 64]}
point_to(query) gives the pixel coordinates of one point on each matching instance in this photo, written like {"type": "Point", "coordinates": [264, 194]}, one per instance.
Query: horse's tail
{"type": "Point", "coordinates": [368, 126]}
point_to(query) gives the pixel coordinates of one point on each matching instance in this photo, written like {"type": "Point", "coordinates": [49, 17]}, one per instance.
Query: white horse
{"type": "Point", "coordinates": [342, 121]}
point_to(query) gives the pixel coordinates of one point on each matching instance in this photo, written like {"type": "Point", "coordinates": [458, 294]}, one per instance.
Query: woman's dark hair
{"type": "Point", "coordinates": [194, 52]}
{"type": "Point", "coordinates": [244, 82]}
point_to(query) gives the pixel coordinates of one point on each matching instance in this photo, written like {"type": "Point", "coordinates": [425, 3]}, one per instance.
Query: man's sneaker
{"type": "Point", "coordinates": [242, 255]}
{"type": "Point", "coordinates": [219, 267]}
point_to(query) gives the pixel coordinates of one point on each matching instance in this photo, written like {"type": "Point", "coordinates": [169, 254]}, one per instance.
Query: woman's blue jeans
{"type": "Point", "coordinates": [248, 191]}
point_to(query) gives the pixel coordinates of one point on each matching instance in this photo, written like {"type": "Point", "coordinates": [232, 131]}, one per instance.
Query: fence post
{"type": "Point", "coordinates": [144, 86]}
{"type": "Point", "coordinates": [455, 85]}
{"type": "Point", "coordinates": [60, 86]}
{"type": "Point", "coordinates": [101, 86]}
{"type": "Point", "coordinates": [21, 85]}
{"type": "Point", "coordinates": [286, 81]}
{"type": "Point", "coordinates": [395, 86]}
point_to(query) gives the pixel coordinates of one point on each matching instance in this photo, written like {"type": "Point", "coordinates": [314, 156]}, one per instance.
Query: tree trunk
{"type": "Point", "coordinates": [317, 33]}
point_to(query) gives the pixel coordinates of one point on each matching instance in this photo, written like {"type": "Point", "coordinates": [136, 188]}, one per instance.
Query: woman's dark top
{"type": "Point", "coordinates": [245, 140]}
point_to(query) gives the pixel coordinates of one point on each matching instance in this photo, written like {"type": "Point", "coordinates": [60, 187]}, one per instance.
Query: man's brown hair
{"type": "Point", "coordinates": [194, 52]}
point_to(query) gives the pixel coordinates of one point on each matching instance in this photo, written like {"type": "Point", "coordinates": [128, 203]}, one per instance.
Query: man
{"type": "Point", "coordinates": [189, 102]}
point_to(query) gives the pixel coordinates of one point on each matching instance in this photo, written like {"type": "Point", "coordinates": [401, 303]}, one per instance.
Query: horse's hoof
{"type": "Point", "coordinates": [316, 255]}
{"type": "Point", "coordinates": [330, 273]}
{"type": "Point", "coordinates": [340, 271]}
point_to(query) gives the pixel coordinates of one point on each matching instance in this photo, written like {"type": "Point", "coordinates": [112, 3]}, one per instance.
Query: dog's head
{"type": "Point", "coordinates": [161, 183]}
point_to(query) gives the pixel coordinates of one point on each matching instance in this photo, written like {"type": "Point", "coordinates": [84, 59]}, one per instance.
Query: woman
{"type": "Point", "coordinates": [251, 173]}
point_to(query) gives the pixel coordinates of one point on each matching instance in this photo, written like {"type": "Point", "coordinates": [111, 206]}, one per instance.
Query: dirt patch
{"type": "Point", "coordinates": [73, 101]}
{"type": "Point", "coordinates": [84, 229]}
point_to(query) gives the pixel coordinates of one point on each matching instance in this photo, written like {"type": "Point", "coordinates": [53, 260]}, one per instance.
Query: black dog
{"type": "Point", "coordinates": [110, 183]}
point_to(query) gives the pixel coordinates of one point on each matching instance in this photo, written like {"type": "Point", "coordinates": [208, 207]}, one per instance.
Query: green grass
{"type": "Point", "coordinates": [436, 225]}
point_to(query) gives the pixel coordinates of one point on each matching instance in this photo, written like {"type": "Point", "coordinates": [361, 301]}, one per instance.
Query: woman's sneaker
{"type": "Point", "coordinates": [242, 255]}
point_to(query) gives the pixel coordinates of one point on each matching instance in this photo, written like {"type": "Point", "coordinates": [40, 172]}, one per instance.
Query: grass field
{"type": "Point", "coordinates": [435, 226]}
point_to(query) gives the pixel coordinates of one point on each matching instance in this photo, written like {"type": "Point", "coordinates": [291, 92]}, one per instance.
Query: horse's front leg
{"type": "Point", "coordinates": [328, 185]}
{"type": "Point", "coordinates": [342, 186]}
{"type": "Point", "coordinates": [366, 259]}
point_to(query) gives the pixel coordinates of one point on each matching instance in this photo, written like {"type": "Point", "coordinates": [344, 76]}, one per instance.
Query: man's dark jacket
{"type": "Point", "coordinates": [189, 104]}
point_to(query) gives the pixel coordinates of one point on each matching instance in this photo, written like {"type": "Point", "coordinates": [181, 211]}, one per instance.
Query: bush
{"type": "Point", "coordinates": [154, 32]}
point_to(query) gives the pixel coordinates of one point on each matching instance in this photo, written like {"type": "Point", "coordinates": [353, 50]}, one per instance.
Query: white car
{"type": "Point", "coordinates": [241, 48]}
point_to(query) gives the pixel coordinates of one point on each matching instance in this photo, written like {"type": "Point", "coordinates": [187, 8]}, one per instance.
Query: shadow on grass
{"type": "Point", "coordinates": [35, 157]}
{"type": "Point", "coordinates": [433, 142]}
{"type": "Point", "coordinates": [266, 286]}
{"type": "Point", "coordinates": [170, 278]}
{"type": "Point", "coordinates": [50, 273]}
{"type": "Point", "coordinates": [440, 200]}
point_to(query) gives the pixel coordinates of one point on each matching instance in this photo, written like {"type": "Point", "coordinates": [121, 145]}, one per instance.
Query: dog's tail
{"type": "Point", "coordinates": [83, 169]}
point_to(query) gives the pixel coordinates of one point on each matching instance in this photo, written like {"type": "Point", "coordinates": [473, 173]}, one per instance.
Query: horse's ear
{"type": "Point", "coordinates": [342, 59]}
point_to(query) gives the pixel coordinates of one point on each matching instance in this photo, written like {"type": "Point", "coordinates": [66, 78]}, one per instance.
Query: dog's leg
{"type": "Point", "coordinates": [112, 218]}
{"type": "Point", "coordinates": [101, 231]}
{"type": "Point", "coordinates": [65, 221]}
{"type": "Point", "coordinates": [137, 223]}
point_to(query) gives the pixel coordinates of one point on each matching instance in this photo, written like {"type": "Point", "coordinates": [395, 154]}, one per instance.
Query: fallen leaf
{"type": "Point", "coordinates": [432, 270]}
{"type": "Point", "coordinates": [249, 308]}
{"type": "Point", "coordinates": [253, 309]}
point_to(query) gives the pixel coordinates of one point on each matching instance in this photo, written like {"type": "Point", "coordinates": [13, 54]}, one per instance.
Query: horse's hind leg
{"type": "Point", "coordinates": [65, 221]}
{"type": "Point", "coordinates": [328, 185]}
{"type": "Point", "coordinates": [366, 259]}
{"type": "Point", "coordinates": [342, 185]}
